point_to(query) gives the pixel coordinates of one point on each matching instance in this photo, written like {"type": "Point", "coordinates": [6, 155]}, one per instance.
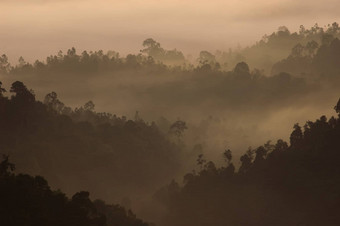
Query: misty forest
{"type": "Point", "coordinates": [245, 136]}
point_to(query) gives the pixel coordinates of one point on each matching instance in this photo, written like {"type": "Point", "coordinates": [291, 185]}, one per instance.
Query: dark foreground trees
{"type": "Point", "coordinates": [27, 200]}
{"type": "Point", "coordinates": [277, 184]}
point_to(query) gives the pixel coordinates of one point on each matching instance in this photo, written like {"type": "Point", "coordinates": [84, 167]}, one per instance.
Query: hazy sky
{"type": "Point", "coordinates": [37, 28]}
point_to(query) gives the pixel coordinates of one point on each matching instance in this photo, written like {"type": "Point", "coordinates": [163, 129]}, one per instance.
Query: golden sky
{"type": "Point", "coordinates": [37, 28]}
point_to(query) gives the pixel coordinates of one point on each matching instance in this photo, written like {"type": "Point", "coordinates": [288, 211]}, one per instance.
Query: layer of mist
{"type": "Point", "coordinates": [162, 110]}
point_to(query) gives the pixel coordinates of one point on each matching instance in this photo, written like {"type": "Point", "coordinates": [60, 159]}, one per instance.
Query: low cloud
{"type": "Point", "coordinates": [122, 25]}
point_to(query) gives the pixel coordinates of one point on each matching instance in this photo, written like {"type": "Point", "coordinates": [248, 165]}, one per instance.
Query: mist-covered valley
{"type": "Point", "coordinates": [129, 128]}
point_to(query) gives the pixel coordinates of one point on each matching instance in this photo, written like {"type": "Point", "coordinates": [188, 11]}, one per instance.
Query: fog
{"type": "Point", "coordinates": [166, 106]}
{"type": "Point", "coordinates": [35, 29]}
{"type": "Point", "coordinates": [213, 120]}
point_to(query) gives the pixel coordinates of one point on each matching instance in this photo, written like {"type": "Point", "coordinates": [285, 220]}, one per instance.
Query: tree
{"type": "Point", "coordinates": [52, 102]}
{"type": "Point", "coordinates": [201, 161]}
{"type": "Point", "coordinates": [227, 156]}
{"type": "Point", "coordinates": [283, 31]}
{"type": "Point", "coordinates": [21, 92]}
{"type": "Point", "coordinates": [326, 39]}
{"type": "Point", "coordinates": [6, 168]}
{"type": "Point", "coordinates": [333, 29]}
{"type": "Point", "coordinates": [246, 161]}
{"type": "Point", "coordinates": [297, 51]}
{"type": "Point", "coordinates": [206, 58]}
{"type": "Point", "coordinates": [261, 153]}
{"type": "Point", "coordinates": [177, 128]}
{"type": "Point", "coordinates": [89, 106]}
{"type": "Point", "coordinates": [296, 136]}
{"type": "Point", "coordinates": [22, 62]}
{"type": "Point", "coordinates": [302, 30]}
{"type": "Point", "coordinates": [2, 90]}
{"type": "Point", "coordinates": [337, 107]}
{"type": "Point", "coordinates": [153, 49]}
{"type": "Point", "coordinates": [174, 56]}
{"type": "Point", "coordinates": [242, 71]}
{"type": "Point", "coordinates": [280, 146]}
{"type": "Point", "coordinates": [312, 47]}
{"type": "Point", "coordinates": [5, 66]}
{"type": "Point", "coordinates": [71, 52]}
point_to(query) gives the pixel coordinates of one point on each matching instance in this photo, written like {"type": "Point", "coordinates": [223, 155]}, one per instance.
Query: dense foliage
{"type": "Point", "coordinates": [122, 160]}
{"type": "Point", "coordinates": [108, 155]}
{"type": "Point", "coordinates": [262, 55]}
{"type": "Point", "coordinates": [281, 184]}
{"type": "Point", "coordinates": [298, 63]}
{"type": "Point", "coordinates": [27, 200]}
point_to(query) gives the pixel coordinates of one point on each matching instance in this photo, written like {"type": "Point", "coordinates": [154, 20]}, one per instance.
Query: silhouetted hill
{"type": "Point", "coordinates": [203, 104]}
{"type": "Point", "coordinates": [313, 61]}
{"type": "Point", "coordinates": [27, 200]}
{"type": "Point", "coordinates": [110, 156]}
{"type": "Point", "coordinates": [280, 184]}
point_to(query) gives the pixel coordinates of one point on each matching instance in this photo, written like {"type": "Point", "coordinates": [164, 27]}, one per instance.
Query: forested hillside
{"type": "Point", "coordinates": [276, 184]}
{"type": "Point", "coordinates": [111, 156]}
{"type": "Point", "coordinates": [27, 200]}
{"type": "Point", "coordinates": [122, 127]}
{"type": "Point", "coordinates": [302, 64]}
